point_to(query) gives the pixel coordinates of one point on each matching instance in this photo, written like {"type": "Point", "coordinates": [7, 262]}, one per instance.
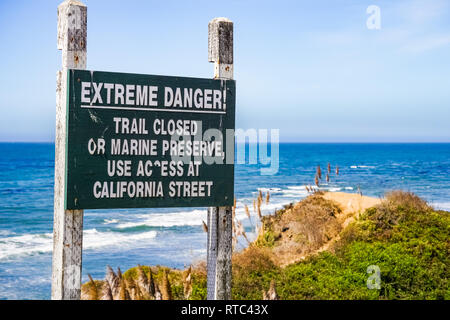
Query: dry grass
{"type": "Point", "coordinates": [407, 199]}
{"type": "Point", "coordinates": [204, 227]}
{"type": "Point", "coordinates": [252, 259]}
{"type": "Point", "coordinates": [140, 284]}
{"type": "Point", "coordinates": [187, 282]}
{"type": "Point", "coordinates": [166, 290]}
{"type": "Point", "coordinates": [397, 207]}
{"type": "Point", "coordinates": [272, 293]}
{"type": "Point", "coordinates": [295, 232]}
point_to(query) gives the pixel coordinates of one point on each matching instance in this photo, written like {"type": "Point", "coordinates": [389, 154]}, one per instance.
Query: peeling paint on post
{"type": "Point", "coordinates": [219, 250]}
{"type": "Point", "coordinates": [220, 47]}
{"type": "Point", "coordinates": [67, 224]}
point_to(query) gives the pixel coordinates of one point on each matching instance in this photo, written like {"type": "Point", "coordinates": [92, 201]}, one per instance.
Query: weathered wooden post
{"type": "Point", "coordinates": [220, 52]}
{"type": "Point", "coordinates": [67, 224]}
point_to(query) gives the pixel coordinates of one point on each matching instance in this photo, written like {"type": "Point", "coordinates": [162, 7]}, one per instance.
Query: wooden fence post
{"type": "Point", "coordinates": [67, 224]}
{"type": "Point", "coordinates": [219, 250]}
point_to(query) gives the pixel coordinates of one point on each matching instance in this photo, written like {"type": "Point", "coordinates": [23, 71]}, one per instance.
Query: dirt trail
{"type": "Point", "coordinates": [351, 205]}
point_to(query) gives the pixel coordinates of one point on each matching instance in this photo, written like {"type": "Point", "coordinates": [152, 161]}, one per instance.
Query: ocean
{"type": "Point", "coordinates": [174, 237]}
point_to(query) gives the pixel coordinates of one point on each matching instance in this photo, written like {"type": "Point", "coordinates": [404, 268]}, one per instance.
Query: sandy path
{"type": "Point", "coordinates": [351, 205]}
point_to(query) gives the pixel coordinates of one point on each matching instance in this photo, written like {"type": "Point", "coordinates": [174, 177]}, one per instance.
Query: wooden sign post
{"type": "Point", "coordinates": [67, 224]}
{"type": "Point", "coordinates": [141, 141]}
{"type": "Point", "coordinates": [220, 220]}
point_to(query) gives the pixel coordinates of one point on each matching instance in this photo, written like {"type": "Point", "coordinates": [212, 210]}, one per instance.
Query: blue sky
{"type": "Point", "coordinates": [309, 68]}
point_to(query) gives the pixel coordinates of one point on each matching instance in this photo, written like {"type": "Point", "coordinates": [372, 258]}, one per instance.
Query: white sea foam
{"type": "Point", "coordinates": [333, 189]}
{"type": "Point", "coordinates": [95, 239]}
{"type": "Point", "coordinates": [25, 244]}
{"type": "Point", "coordinates": [172, 219]}
{"type": "Point", "coordinates": [441, 205]}
{"type": "Point", "coordinates": [41, 243]}
{"type": "Point", "coordinates": [110, 221]}
{"type": "Point", "coordinates": [362, 167]}
{"type": "Point", "coordinates": [296, 188]}
{"type": "Point", "coordinates": [271, 190]}
{"type": "Point", "coordinates": [12, 245]}
{"type": "Point", "coordinates": [5, 233]}
{"type": "Point", "coordinates": [295, 192]}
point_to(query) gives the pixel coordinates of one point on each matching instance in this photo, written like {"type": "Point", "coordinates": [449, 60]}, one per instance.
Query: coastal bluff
{"type": "Point", "coordinates": [319, 248]}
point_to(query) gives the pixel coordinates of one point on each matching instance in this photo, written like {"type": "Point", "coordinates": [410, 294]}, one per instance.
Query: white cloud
{"type": "Point", "coordinates": [414, 26]}
{"type": "Point", "coordinates": [420, 12]}
{"type": "Point", "coordinates": [426, 44]}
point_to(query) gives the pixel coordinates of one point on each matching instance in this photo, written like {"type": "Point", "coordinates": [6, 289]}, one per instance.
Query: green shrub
{"type": "Point", "coordinates": [403, 236]}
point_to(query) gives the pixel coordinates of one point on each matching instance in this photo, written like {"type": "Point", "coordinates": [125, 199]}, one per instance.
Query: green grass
{"type": "Point", "coordinates": [406, 239]}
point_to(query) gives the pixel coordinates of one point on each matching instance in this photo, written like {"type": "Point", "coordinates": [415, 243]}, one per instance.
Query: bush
{"type": "Point", "coordinates": [403, 236]}
{"type": "Point", "coordinates": [253, 269]}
